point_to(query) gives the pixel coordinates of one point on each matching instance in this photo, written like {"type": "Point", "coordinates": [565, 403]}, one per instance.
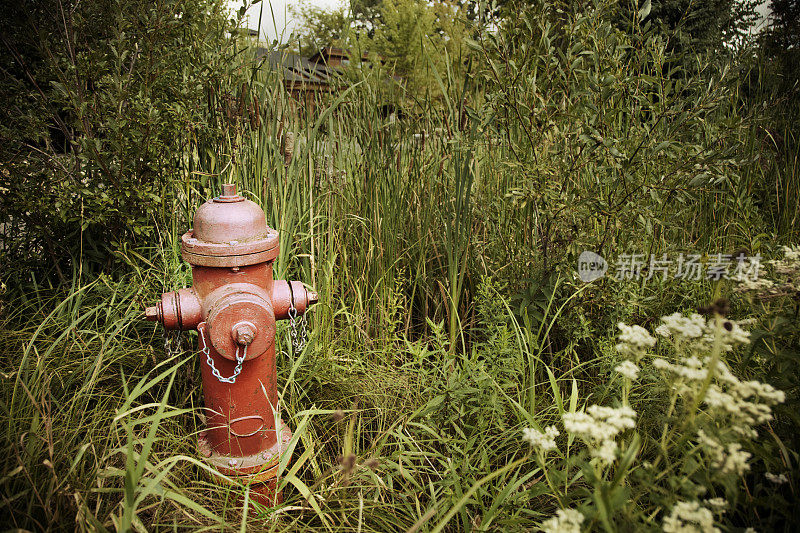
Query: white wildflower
{"type": "Point", "coordinates": [607, 451]}
{"type": "Point", "coordinates": [628, 369]}
{"type": "Point", "coordinates": [732, 335]}
{"type": "Point", "coordinates": [791, 253]}
{"type": "Point", "coordinates": [544, 441]}
{"type": "Point", "coordinates": [699, 334]}
{"type": "Point", "coordinates": [741, 405]}
{"type": "Point", "coordinates": [729, 336]}
{"type": "Point", "coordinates": [689, 517]}
{"type": "Point", "coordinates": [677, 325]}
{"type": "Point", "coordinates": [661, 364]}
{"type": "Point", "coordinates": [717, 504]}
{"type": "Point", "coordinates": [730, 459]}
{"type": "Point", "coordinates": [714, 448]}
{"type": "Point", "coordinates": [744, 431]}
{"type": "Point", "coordinates": [598, 427]}
{"type": "Point", "coordinates": [600, 423]}
{"type": "Point", "coordinates": [784, 282]}
{"type": "Point", "coordinates": [735, 460]}
{"type": "Point", "coordinates": [745, 403]}
{"type": "Point", "coordinates": [750, 530]}
{"type": "Point", "coordinates": [691, 369]}
{"type": "Point", "coordinates": [778, 479]}
{"type": "Point", "coordinates": [755, 285]}
{"type": "Point", "coordinates": [584, 425]}
{"type": "Point", "coordinates": [634, 340]}
{"type": "Point", "coordinates": [619, 418]}
{"type": "Point", "coordinates": [565, 521]}
{"type": "Point", "coordinates": [789, 264]}
{"type": "Point", "coordinates": [733, 404]}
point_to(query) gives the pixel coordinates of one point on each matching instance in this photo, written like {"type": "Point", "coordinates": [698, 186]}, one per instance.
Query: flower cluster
{"type": "Point", "coordinates": [790, 262]}
{"type": "Point", "coordinates": [599, 426]}
{"type": "Point", "coordinates": [688, 517]}
{"type": "Point", "coordinates": [746, 402]}
{"type": "Point", "coordinates": [778, 479]}
{"type": "Point", "coordinates": [634, 340]}
{"type": "Point", "coordinates": [565, 521]}
{"type": "Point", "coordinates": [690, 369]}
{"type": "Point", "coordinates": [730, 459]}
{"type": "Point", "coordinates": [714, 409]}
{"type": "Point", "coordinates": [733, 404]}
{"type": "Point", "coordinates": [628, 369]}
{"type": "Point", "coordinates": [743, 404]}
{"type": "Point", "coordinates": [695, 333]}
{"type": "Point", "coordinates": [544, 441]}
{"type": "Point", "coordinates": [762, 286]}
{"type": "Point", "coordinates": [691, 327]}
{"type": "Point", "coordinates": [718, 504]}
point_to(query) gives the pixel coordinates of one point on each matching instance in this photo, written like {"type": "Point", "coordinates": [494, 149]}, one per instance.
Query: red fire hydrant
{"type": "Point", "coordinates": [234, 304]}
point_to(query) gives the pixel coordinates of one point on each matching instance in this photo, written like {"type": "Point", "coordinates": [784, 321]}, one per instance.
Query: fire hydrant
{"type": "Point", "coordinates": [233, 304]}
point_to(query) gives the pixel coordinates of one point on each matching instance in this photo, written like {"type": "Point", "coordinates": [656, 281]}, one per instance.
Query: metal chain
{"type": "Point", "coordinates": [207, 352]}
{"type": "Point", "coordinates": [298, 340]}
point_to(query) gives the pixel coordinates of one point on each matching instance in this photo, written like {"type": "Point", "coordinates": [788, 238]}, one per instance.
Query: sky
{"type": "Point", "coordinates": [284, 21]}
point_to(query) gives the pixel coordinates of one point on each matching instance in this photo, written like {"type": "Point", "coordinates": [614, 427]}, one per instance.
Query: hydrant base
{"type": "Point", "coordinates": [260, 471]}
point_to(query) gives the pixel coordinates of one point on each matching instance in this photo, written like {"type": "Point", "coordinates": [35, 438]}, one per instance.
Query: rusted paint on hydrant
{"type": "Point", "coordinates": [234, 304]}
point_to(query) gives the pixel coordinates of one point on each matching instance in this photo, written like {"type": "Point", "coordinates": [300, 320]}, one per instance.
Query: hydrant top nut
{"type": "Point", "coordinates": [229, 194]}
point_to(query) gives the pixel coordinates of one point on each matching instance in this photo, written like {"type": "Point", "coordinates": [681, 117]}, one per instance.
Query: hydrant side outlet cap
{"type": "Point", "coordinates": [237, 313]}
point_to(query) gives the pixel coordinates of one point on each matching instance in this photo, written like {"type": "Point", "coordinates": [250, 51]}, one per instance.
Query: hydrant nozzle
{"type": "Point", "coordinates": [152, 314]}
{"type": "Point", "coordinates": [234, 304]}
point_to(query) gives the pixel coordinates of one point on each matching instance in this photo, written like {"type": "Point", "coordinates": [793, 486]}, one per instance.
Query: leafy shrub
{"type": "Point", "coordinates": [104, 104]}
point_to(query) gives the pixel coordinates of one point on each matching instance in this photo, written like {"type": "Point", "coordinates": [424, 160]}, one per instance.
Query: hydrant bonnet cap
{"type": "Point", "coordinates": [229, 218]}
{"type": "Point", "coordinates": [229, 231]}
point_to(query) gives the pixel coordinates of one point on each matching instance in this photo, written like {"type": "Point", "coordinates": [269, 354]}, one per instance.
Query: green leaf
{"type": "Point", "coordinates": [645, 9]}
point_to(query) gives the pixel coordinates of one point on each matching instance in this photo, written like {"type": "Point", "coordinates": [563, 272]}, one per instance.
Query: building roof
{"type": "Point", "coordinates": [244, 32]}
{"type": "Point", "coordinates": [295, 67]}
{"type": "Point", "coordinates": [328, 52]}
{"type": "Point", "coordinates": [321, 68]}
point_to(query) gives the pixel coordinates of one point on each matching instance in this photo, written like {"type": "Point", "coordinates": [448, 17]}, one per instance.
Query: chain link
{"type": "Point", "coordinates": [207, 352]}
{"type": "Point", "coordinates": [298, 339]}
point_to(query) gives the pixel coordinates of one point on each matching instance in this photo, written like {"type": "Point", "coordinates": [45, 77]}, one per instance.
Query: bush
{"type": "Point", "coordinates": [104, 103]}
